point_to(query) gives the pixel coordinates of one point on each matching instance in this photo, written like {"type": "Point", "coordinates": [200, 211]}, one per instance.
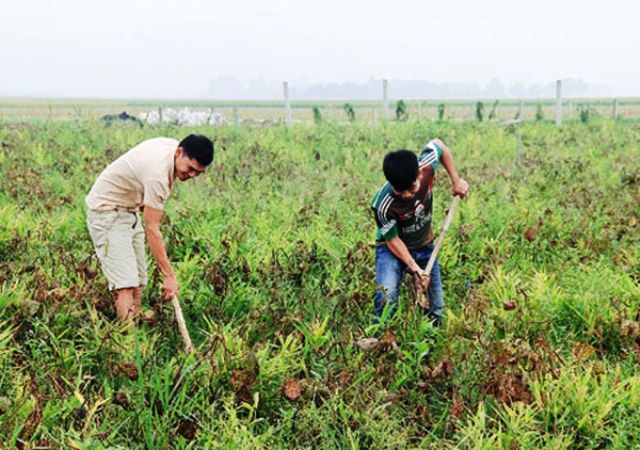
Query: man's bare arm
{"type": "Point", "coordinates": [152, 219]}
{"type": "Point", "coordinates": [458, 185]}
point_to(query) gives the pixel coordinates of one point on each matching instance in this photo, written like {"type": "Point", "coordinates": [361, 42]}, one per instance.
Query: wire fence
{"type": "Point", "coordinates": [275, 112]}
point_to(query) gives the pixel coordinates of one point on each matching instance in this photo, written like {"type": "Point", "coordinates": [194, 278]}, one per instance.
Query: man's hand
{"type": "Point", "coordinates": [460, 187]}
{"type": "Point", "coordinates": [169, 286]}
{"type": "Point", "coordinates": [422, 279]}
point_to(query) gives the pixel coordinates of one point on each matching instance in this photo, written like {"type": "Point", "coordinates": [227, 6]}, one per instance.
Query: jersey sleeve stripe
{"type": "Point", "coordinates": [429, 159]}
{"type": "Point", "coordinates": [379, 209]}
{"type": "Point", "coordinates": [382, 209]}
{"type": "Point", "coordinates": [385, 229]}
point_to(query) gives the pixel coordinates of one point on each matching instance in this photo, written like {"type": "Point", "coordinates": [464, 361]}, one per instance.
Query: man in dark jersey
{"type": "Point", "coordinates": [402, 209]}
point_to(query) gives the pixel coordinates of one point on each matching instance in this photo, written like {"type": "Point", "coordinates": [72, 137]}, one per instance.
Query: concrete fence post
{"type": "Point", "coordinates": [558, 102]}
{"type": "Point", "coordinates": [519, 114]}
{"type": "Point", "coordinates": [236, 116]}
{"type": "Point", "coordinates": [287, 103]}
{"type": "Point", "coordinates": [385, 99]}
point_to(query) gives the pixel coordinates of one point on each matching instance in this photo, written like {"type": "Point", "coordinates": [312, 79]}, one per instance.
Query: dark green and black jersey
{"type": "Point", "coordinates": [409, 219]}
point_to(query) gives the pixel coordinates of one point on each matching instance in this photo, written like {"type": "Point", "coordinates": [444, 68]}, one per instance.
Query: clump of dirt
{"type": "Point", "coordinates": [218, 279]}
{"type": "Point", "coordinates": [292, 389]}
{"type": "Point", "coordinates": [243, 379]}
{"type": "Point", "coordinates": [188, 428]}
{"type": "Point", "coordinates": [120, 398]}
{"type": "Point", "coordinates": [508, 365]}
{"type": "Point", "coordinates": [128, 369]}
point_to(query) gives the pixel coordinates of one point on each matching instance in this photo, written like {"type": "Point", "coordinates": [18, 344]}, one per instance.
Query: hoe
{"type": "Point", "coordinates": [186, 339]}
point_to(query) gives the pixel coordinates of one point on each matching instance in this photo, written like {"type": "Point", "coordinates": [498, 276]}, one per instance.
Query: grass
{"type": "Point", "coordinates": [274, 253]}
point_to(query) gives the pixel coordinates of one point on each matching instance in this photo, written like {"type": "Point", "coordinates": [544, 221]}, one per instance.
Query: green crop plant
{"type": "Point", "coordinates": [586, 112]}
{"type": "Point", "coordinates": [492, 113]}
{"type": "Point", "coordinates": [317, 115]}
{"type": "Point", "coordinates": [349, 111]}
{"type": "Point", "coordinates": [539, 112]}
{"type": "Point", "coordinates": [401, 111]}
{"type": "Point", "coordinates": [479, 111]}
{"type": "Point", "coordinates": [275, 255]}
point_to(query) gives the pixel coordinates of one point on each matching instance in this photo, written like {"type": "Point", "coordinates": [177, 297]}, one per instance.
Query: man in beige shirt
{"type": "Point", "coordinates": [140, 180]}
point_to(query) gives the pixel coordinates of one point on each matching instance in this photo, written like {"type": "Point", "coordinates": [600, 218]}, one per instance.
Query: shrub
{"type": "Point", "coordinates": [317, 115]}
{"type": "Point", "coordinates": [349, 111]}
{"type": "Point", "coordinates": [401, 111]}
{"type": "Point", "coordinates": [479, 111]}
{"type": "Point", "coordinates": [539, 112]}
{"type": "Point", "coordinates": [492, 114]}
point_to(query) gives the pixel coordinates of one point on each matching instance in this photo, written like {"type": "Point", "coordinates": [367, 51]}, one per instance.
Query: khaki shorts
{"type": "Point", "coordinates": [118, 237]}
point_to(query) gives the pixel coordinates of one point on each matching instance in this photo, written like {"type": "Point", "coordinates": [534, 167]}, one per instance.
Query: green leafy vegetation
{"type": "Point", "coordinates": [349, 111]}
{"type": "Point", "coordinates": [479, 111]}
{"type": "Point", "coordinates": [274, 252]}
{"type": "Point", "coordinates": [539, 112]}
{"type": "Point", "coordinates": [586, 112]}
{"type": "Point", "coordinates": [402, 114]}
{"type": "Point", "coordinates": [492, 113]}
{"type": "Point", "coordinates": [441, 110]}
{"type": "Point", "coordinates": [317, 115]}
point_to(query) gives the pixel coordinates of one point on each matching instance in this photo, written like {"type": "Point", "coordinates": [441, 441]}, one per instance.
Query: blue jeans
{"type": "Point", "coordinates": [389, 272]}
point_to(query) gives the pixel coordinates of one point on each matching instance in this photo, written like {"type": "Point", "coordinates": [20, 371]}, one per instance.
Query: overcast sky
{"type": "Point", "coordinates": [162, 48]}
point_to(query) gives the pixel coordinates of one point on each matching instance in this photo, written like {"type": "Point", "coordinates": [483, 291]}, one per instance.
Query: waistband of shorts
{"type": "Point", "coordinates": [98, 211]}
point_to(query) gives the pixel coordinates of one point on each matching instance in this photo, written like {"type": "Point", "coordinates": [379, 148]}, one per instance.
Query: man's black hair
{"type": "Point", "coordinates": [198, 147]}
{"type": "Point", "coordinates": [401, 169]}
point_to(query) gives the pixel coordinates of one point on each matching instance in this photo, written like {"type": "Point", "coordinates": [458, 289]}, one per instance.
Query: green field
{"type": "Point", "coordinates": [274, 253]}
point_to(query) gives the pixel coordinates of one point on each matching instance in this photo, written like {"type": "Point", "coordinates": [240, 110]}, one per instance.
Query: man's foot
{"type": "Point", "coordinates": [124, 304]}
{"type": "Point", "coordinates": [436, 321]}
{"type": "Point", "coordinates": [148, 316]}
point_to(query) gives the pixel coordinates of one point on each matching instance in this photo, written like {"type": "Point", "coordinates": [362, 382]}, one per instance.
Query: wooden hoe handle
{"type": "Point", "coordinates": [423, 300]}
{"type": "Point", "coordinates": [188, 345]}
